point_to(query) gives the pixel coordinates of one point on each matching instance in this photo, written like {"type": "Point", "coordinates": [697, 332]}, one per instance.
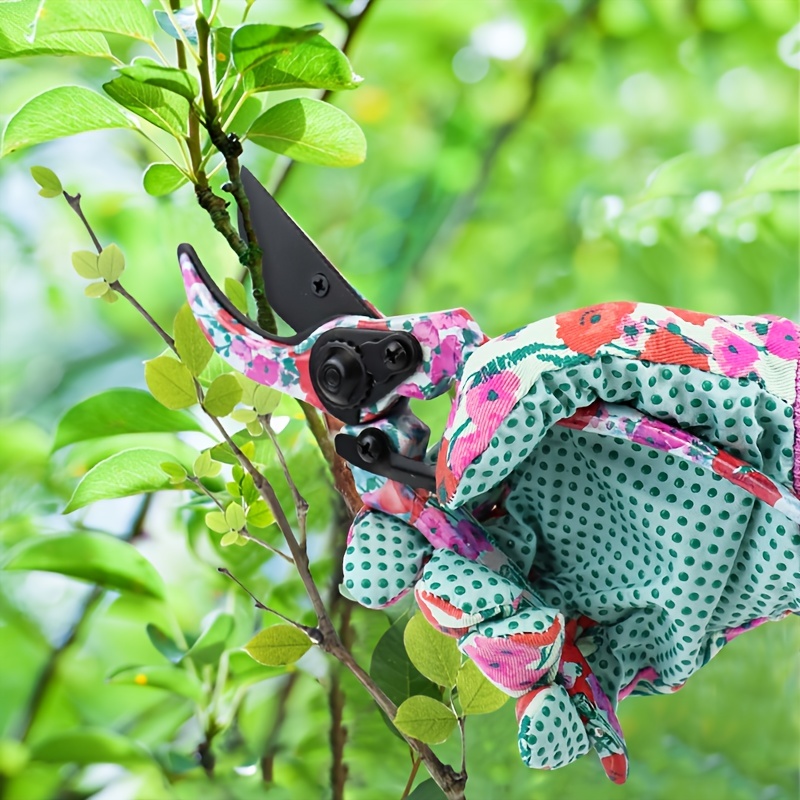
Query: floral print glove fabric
{"type": "Point", "coordinates": [611, 564]}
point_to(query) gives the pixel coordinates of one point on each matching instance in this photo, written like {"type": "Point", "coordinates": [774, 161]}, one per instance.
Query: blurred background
{"type": "Point", "coordinates": [524, 157]}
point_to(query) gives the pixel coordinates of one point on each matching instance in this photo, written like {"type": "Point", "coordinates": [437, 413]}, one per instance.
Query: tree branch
{"type": "Point", "coordinates": [231, 148]}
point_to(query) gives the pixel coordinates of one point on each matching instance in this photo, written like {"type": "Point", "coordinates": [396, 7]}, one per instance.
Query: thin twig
{"type": "Point", "coordinates": [300, 503]}
{"type": "Point", "coordinates": [74, 202]}
{"type": "Point", "coordinates": [312, 633]}
{"type": "Point", "coordinates": [415, 762]}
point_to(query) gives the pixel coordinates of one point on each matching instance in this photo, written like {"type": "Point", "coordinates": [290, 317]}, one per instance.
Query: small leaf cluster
{"type": "Point", "coordinates": [108, 266]}
{"type": "Point", "coordinates": [422, 671]}
{"type": "Point", "coordinates": [231, 69]}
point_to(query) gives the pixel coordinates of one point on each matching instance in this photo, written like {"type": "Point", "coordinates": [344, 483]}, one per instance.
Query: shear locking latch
{"type": "Point", "coordinates": [355, 367]}
{"type": "Point", "coordinates": [372, 451]}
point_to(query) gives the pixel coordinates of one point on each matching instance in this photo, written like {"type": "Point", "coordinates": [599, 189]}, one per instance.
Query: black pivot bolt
{"type": "Point", "coordinates": [320, 285]}
{"type": "Point", "coordinates": [372, 447]}
{"type": "Point", "coordinates": [396, 356]}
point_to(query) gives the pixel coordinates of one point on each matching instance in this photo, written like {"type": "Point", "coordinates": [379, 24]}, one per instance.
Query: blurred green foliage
{"type": "Point", "coordinates": [523, 158]}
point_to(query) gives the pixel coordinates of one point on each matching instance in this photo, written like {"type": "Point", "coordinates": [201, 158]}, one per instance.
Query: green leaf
{"type": "Point", "coordinates": [425, 719]}
{"type": "Point", "coordinates": [255, 428]}
{"type": "Point", "coordinates": [278, 645]}
{"type": "Point", "coordinates": [392, 670]}
{"type": "Point", "coordinates": [88, 556]}
{"type": "Point", "coordinates": [59, 112]}
{"type": "Point", "coordinates": [223, 394]}
{"type": "Point", "coordinates": [777, 172]}
{"type": "Point", "coordinates": [117, 412]}
{"type": "Point", "coordinates": [165, 110]}
{"type": "Point", "coordinates": [427, 790]}
{"type": "Point", "coordinates": [266, 399]}
{"type": "Point", "coordinates": [96, 289]}
{"type": "Point", "coordinates": [253, 44]}
{"type": "Point", "coordinates": [205, 467]}
{"type": "Point", "coordinates": [15, 36]}
{"type": "Point", "coordinates": [186, 20]}
{"type": "Point", "coordinates": [310, 131]}
{"type": "Point", "coordinates": [178, 81]}
{"type": "Point", "coordinates": [259, 515]}
{"type": "Point", "coordinates": [476, 693]}
{"type": "Point", "coordinates": [110, 296]}
{"type": "Point", "coordinates": [85, 263]}
{"type": "Point", "coordinates": [89, 746]}
{"type": "Point", "coordinates": [177, 681]}
{"type": "Point", "coordinates": [127, 473]}
{"type": "Point", "coordinates": [216, 521]}
{"type": "Point", "coordinates": [111, 263]}
{"type": "Point", "coordinates": [231, 537]}
{"type": "Point", "coordinates": [234, 516]}
{"type": "Point", "coordinates": [313, 64]}
{"type": "Point", "coordinates": [190, 342]}
{"type": "Point", "coordinates": [175, 472]}
{"type": "Point", "coordinates": [249, 387]}
{"type": "Point", "coordinates": [212, 641]}
{"type": "Point", "coordinates": [48, 180]}
{"type": "Point", "coordinates": [123, 17]}
{"type": "Point", "coordinates": [434, 654]}
{"type": "Point", "coordinates": [170, 382]}
{"type": "Point", "coordinates": [234, 291]}
{"type": "Point", "coordinates": [245, 415]}
{"type": "Point", "coordinates": [165, 644]}
{"type": "Point", "coordinates": [161, 179]}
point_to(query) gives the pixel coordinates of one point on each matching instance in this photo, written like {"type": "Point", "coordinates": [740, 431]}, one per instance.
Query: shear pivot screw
{"type": "Point", "coordinates": [371, 447]}
{"type": "Point", "coordinates": [395, 356]}
{"type": "Point", "coordinates": [320, 285]}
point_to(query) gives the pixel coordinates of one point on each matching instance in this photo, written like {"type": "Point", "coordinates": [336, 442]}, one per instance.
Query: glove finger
{"type": "Point", "coordinates": [455, 593]}
{"type": "Point", "coordinates": [551, 733]}
{"type": "Point", "coordinates": [383, 559]}
{"type": "Point", "coordinates": [518, 652]}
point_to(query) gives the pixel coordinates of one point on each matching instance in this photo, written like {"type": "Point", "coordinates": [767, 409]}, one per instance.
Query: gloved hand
{"type": "Point", "coordinates": [616, 552]}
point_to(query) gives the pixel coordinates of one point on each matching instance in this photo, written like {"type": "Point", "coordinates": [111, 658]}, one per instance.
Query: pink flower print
{"type": "Point", "coordinates": [465, 450]}
{"type": "Point", "coordinates": [446, 362]}
{"type": "Point", "coordinates": [510, 663]}
{"type": "Point", "coordinates": [425, 331]}
{"type": "Point", "coordinates": [734, 355]}
{"type": "Point", "coordinates": [783, 339]}
{"type": "Point", "coordinates": [633, 331]}
{"type": "Point", "coordinates": [264, 370]}
{"type": "Point", "coordinates": [241, 349]}
{"type": "Point", "coordinates": [489, 402]}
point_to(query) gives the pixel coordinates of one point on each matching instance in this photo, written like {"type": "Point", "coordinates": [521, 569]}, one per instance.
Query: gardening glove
{"type": "Point", "coordinates": [616, 501]}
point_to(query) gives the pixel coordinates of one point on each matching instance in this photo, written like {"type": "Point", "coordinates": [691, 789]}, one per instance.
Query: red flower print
{"type": "Point", "coordinates": [745, 477]}
{"type": "Point", "coordinates": [695, 317]}
{"type": "Point", "coordinates": [586, 329]}
{"type": "Point", "coordinates": [665, 347]}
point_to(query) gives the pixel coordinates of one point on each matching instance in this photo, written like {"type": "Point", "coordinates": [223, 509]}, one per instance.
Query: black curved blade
{"type": "Point", "coordinates": [302, 286]}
